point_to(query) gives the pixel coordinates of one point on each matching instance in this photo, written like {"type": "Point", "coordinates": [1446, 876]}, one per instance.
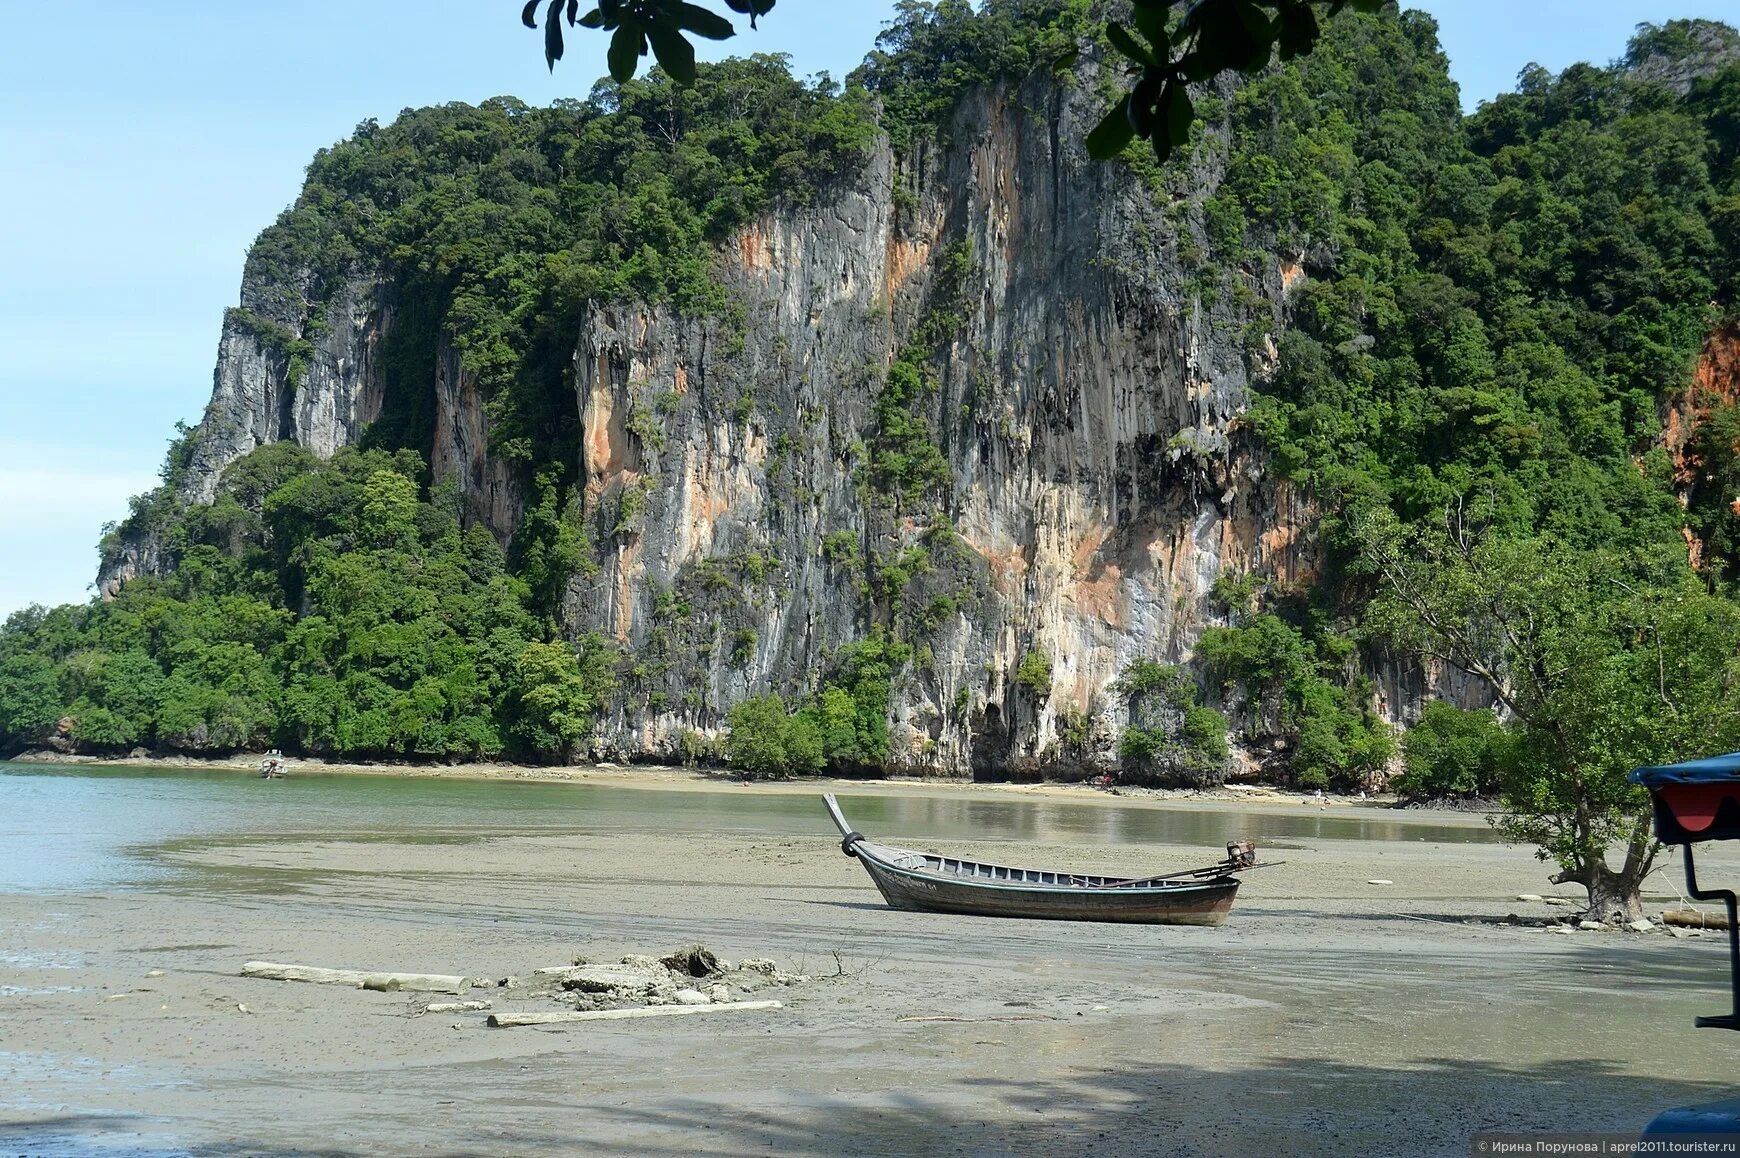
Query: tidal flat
{"type": "Point", "coordinates": [1331, 1015]}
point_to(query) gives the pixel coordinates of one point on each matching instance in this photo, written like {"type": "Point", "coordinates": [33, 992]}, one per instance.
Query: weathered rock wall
{"type": "Point", "coordinates": [259, 395]}
{"type": "Point", "coordinates": [255, 399]}
{"type": "Point", "coordinates": [489, 488]}
{"type": "Point", "coordinates": [1087, 401]}
{"type": "Point", "coordinates": [1087, 405]}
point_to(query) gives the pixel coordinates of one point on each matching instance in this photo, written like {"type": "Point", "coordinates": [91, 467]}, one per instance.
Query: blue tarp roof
{"type": "Point", "coordinates": [1709, 770]}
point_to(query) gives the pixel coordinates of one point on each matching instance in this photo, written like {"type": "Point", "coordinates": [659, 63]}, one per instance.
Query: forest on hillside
{"type": "Point", "coordinates": [1489, 386]}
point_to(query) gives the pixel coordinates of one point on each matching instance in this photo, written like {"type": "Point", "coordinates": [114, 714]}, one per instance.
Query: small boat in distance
{"type": "Point", "coordinates": [272, 765]}
{"type": "Point", "coordinates": [929, 882]}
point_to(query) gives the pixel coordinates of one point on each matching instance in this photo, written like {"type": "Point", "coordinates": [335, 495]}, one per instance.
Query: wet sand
{"type": "Point", "coordinates": [1330, 1016]}
{"type": "Point", "coordinates": [670, 777]}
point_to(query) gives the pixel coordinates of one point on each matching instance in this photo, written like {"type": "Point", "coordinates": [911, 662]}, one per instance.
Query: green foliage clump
{"type": "Point", "coordinates": [554, 701]}
{"type": "Point", "coordinates": [694, 747]}
{"type": "Point", "coordinates": [1333, 739]}
{"type": "Point", "coordinates": [329, 608]}
{"type": "Point", "coordinates": [840, 547]}
{"type": "Point", "coordinates": [929, 55]}
{"type": "Point", "coordinates": [906, 466]}
{"type": "Point", "coordinates": [1170, 739]}
{"type": "Point", "coordinates": [766, 740]}
{"type": "Point", "coordinates": [1033, 673]}
{"type": "Point", "coordinates": [851, 709]}
{"type": "Point", "coordinates": [1453, 752]}
{"type": "Point", "coordinates": [743, 642]}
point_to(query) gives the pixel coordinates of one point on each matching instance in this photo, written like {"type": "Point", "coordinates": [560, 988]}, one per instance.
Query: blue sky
{"type": "Point", "coordinates": [142, 154]}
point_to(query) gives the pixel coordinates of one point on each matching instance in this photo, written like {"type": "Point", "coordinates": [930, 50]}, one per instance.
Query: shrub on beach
{"type": "Point", "coordinates": [1453, 752]}
{"type": "Point", "coordinates": [1170, 739]}
{"type": "Point", "coordinates": [767, 740]}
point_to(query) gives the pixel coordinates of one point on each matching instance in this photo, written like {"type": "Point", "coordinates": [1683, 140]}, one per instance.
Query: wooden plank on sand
{"type": "Point", "coordinates": [506, 1020]}
{"type": "Point", "coordinates": [1694, 919]}
{"type": "Point", "coordinates": [358, 978]}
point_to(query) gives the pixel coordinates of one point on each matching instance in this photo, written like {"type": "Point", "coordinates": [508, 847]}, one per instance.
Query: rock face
{"type": "Point", "coordinates": [1087, 403]}
{"type": "Point", "coordinates": [488, 487]}
{"type": "Point", "coordinates": [284, 372]}
{"type": "Point", "coordinates": [256, 398]}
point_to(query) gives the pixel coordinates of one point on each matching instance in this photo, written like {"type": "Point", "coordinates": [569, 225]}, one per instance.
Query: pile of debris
{"type": "Point", "coordinates": [1678, 923]}
{"type": "Point", "coordinates": [692, 979]}
{"type": "Point", "coordinates": [692, 975]}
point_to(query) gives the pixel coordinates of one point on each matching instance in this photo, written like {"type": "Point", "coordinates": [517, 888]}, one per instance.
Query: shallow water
{"type": "Point", "coordinates": [69, 829]}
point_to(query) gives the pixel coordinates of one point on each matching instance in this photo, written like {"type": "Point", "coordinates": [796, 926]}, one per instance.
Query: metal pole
{"type": "Point", "coordinates": [1726, 896]}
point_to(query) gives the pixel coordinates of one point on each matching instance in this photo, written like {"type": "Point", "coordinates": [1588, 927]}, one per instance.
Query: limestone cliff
{"type": "Point", "coordinates": [1088, 409]}
{"type": "Point", "coordinates": [286, 370]}
{"type": "Point", "coordinates": [1087, 404]}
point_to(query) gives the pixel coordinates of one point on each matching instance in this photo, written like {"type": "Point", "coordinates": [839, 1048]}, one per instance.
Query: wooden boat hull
{"type": "Point", "coordinates": [930, 882]}
{"type": "Point", "coordinates": [1194, 904]}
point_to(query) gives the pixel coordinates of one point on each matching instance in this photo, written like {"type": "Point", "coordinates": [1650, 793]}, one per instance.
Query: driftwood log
{"type": "Point", "coordinates": [506, 1020]}
{"type": "Point", "coordinates": [1693, 919]}
{"type": "Point", "coordinates": [457, 1006]}
{"type": "Point", "coordinates": [358, 978]}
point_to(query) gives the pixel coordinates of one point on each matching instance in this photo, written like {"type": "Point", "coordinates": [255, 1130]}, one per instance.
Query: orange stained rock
{"type": "Point", "coordinates": [628, 573]}
{"type": "Point", "coordinates": [1088, 547]}
{"type": "Point", "coordinates": [755, 248]}
{"type": "Point", "coordinates": [705, 499]}
{"type": "Point", "coordinates": [1695, 545]}
{"type": "Point", "coordinates": [1100, 597]}
{"type": "Point", "coordinates": [603, 451]}
{"type": "Point", "coordinates": [1715, 382]}
{"type": "Point", "coordinates": [905, 258]}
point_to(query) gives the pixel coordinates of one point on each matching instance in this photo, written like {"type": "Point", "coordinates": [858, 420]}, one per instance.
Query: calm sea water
{"type": "Point", "coordinates": [64, 829]}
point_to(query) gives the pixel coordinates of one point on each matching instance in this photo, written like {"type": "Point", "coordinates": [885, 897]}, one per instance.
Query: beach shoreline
{"type": "Point", "coordinates": [1341, 977]}
{"type": "Point", "coordinates": [679, 778]}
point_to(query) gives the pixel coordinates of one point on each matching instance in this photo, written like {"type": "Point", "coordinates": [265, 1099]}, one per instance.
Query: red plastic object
{"type": "Point", "coordinates": [1694, 806]}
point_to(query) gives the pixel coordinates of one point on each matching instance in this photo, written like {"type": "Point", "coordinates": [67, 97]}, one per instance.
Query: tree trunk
{"type": "Point", "coordinates": [1616, 896]}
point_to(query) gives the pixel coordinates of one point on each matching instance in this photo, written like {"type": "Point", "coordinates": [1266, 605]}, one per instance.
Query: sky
{"type": "Point", "coordinates": [141, 154]}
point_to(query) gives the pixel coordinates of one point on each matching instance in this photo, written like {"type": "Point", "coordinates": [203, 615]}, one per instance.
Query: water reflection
{"type": "Point", "coordinates": [65, 829]}
{"type": "Point", "coordinates": [1098, 824]}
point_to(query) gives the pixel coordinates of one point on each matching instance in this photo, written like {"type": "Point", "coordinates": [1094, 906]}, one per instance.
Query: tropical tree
{"type": "Point", "coordinates": [556, 704]}
{"type": "Point", "coordinates": [1601, 660]}
{"type": "Point", "coordinates": [768, 740]}
{"type": "Point", "coordinates": [1170, 738]}
{"type": "Point", "coordinates": [1452, 751]}
{"type": "Point", "coordinates": [1168, 46]}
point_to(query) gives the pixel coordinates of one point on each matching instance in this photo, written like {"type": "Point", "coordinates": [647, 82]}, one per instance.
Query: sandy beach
{"type": "Point", "coordinates": [1332, 1015]}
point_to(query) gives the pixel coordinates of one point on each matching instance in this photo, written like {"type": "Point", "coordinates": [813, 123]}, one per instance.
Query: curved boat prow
{"type": "Point", "coordinates": [848, 835]}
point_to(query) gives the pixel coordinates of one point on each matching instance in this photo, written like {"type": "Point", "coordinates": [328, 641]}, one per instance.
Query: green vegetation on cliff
{"type": "Point", "coordinates": [497, 224]}
{"type": "Point", "coordinates": [321, 607]}
{"type": "Point", "coordinates": [1497, 315]}
{"type": "Point", "coordinates": [1486, 384]}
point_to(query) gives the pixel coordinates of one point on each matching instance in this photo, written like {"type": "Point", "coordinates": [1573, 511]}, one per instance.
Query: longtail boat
{"type": "Point", "coordinates": [931, 882]}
